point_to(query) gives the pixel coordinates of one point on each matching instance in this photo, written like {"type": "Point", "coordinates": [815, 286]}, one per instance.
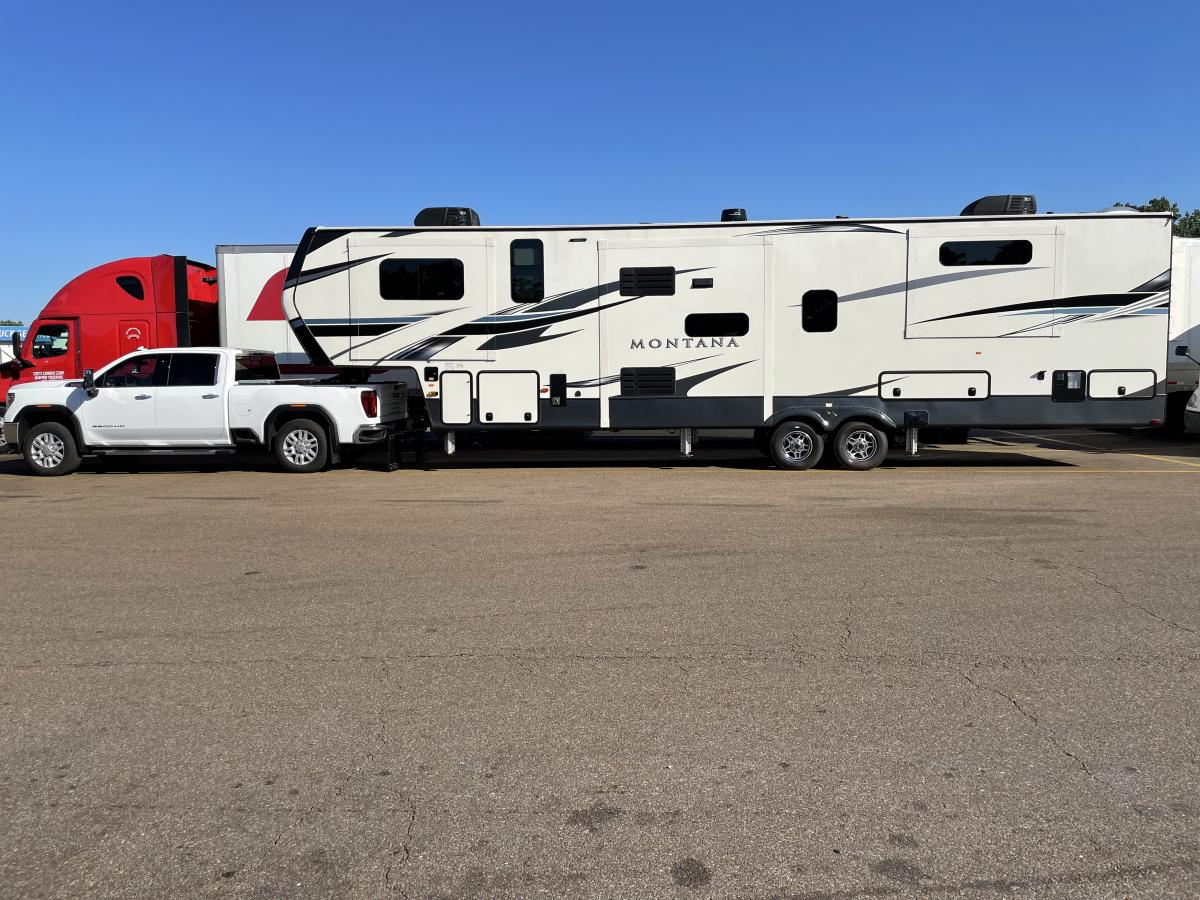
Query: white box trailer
{"type": "Point", "coordinates": [250, 313]}
{"type": "Point", "coordinates": [856, 331]}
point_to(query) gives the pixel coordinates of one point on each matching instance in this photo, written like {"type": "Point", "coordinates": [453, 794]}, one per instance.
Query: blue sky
{"type": "Point", "coordinates": [134, 129]}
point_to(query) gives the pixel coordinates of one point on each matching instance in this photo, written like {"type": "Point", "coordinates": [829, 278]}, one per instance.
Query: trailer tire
{"type": "Point", "coordinates": [796, 445]}
{"type": "Point", "coordinates": [301, 445]}
{"type": "Point", "coordinates": [49, 449]}
{"type": "Point", "coordinates": [860, 446]}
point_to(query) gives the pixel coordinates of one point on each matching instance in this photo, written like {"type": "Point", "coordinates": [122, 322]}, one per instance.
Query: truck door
{"type": "Point", "coordinates": [122, 412]}
{"type": "Point", "coordinates": [54, 350]}
{"type": "Point", "coordinates": [189, 410]}
{"type": "Point", "coordinates": [132, 334]}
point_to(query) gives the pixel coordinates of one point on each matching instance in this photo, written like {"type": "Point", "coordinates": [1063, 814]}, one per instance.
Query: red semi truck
{"type": "Point", "coordinates": [158, 301]}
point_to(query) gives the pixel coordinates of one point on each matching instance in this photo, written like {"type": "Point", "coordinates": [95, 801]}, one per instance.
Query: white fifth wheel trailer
{"type": "Point", "coordinates": [856, 331]}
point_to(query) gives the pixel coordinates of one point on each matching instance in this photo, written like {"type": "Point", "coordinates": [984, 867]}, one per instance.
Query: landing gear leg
{"type": "Point", "coordinates": [449, 443]}
{"type": "Point", "coordinates": [687, 440]}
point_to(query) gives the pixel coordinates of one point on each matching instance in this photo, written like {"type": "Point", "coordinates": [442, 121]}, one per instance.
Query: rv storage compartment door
{"type": "Point", "coordinates": [508, 398]}
{"type": "Point", "coordinates": [456, 398]}
{"type": "Point", "coordinates": [1112, 384]}
{"type": "Point", "coordinates": [934, 385]}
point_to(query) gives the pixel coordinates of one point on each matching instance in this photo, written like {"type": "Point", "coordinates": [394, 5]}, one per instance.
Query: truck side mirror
{"type": "Point", "coordinates": [89, 383]}
{"type": "Point", "coordinates": [16, 345]}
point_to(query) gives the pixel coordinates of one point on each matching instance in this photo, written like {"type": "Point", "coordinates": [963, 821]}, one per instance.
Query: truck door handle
{"type": "Point", "coordinates": [209, 396]}
{"type": "Point", "coordinates": [141, 396]}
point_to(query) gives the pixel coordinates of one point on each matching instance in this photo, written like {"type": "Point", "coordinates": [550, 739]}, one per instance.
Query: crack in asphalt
{"type": "Point", "coordinates": [1045, 729]}
{"type": "Point", "coordinates": [404, 851]}
{"type": "Point", "coordinates": [1132, 604]}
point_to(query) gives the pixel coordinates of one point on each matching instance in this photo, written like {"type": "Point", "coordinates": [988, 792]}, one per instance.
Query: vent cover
{"type": "Point", "coordinates": [1002, 205]}
{"type": "Point", "coordinates": [434, 216]}
{"type": "Point", "coordinates": [648, 381]}
{"type": "Point", "coordinates": [648, 281]}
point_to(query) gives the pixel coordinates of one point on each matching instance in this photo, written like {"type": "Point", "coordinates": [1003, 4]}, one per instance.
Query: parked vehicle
{"type": "Point", "coordinates": [1191, 413]}
{"type": "Point", "coordinates": [1183, 371]}
{"type": "Point", "coordinates": [197, 400]}
{"type": "Point", "coordinates": [858, 332]}
{"type": "Point", "coordinates": [159, 301]}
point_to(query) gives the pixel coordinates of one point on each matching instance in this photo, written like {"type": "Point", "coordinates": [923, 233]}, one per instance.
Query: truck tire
{"type": "Point", "coordinates": [49, 449]}
{"type": "Point", "coordinates": [860, 446]}
{"type": "Point", "coordinates": [795, 445]}
{"type": "Point", "coordinates": [301, 445]}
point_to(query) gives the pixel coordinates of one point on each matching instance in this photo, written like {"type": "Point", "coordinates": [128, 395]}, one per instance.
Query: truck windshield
{"type": "Point", "coordinates": [256, 367]}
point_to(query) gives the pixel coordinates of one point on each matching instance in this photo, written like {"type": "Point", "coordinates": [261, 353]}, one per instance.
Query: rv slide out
{"type": "Point", "coordinates": [847, 332]}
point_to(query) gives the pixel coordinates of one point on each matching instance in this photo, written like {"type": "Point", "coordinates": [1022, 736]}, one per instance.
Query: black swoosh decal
{"type": "Point", "coordinates": [522, 339]}
{"type": "Point", "coordinates": [1061, 303]}
{"type": "Point", "coordinates": [323, 271]}
{"type": "Point", "coordinates": [683, 385]}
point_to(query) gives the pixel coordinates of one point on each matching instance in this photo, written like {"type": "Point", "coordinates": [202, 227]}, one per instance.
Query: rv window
{"type": "Point", "coordinates": [985, 253]}
{"type": "Point", "coordinates": [51, 340]}
{"type": "Point", "coordinates": [527, 271]}
{"type": "Point", "coordinates": [648, 281]}
{"type": "Point", "coordinates": [818, 310]}
{"type": "Point", "coordinates": [421, 279]}
{"type": "Point", "coordinates": [132, 285]}
{"type": "Point", "coordinates": [716, 324]}
{"type": "Point", "coordinates": [193, 370]}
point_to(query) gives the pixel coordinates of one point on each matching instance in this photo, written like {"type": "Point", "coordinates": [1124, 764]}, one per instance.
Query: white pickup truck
{"type": "Point", "coordinates": [197, 400]}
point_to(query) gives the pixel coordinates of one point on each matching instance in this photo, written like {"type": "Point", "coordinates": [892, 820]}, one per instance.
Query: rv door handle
{"type": "Point", "coordinates": [209, 396]}
{"type": "Point", "coordinates": [141, 396]}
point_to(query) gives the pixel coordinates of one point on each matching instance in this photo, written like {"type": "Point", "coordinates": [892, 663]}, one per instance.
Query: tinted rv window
{"type": "Point", "coordinates": [648, 281]}
{"type": "Point", "coordinates": [193, 370]}
{"type": "Point", "coordinates": [985, 253]}
{"type": "Point", "coordinates": [716, 324]}
{"type": "Point", "coordinates": [818, 310]}
{"type": "Point", "coordinates": [132, 285]}
{"type": "Point", "coordinates": [527, 271]}
{"type": "Point", "coordinates": [421, 279]}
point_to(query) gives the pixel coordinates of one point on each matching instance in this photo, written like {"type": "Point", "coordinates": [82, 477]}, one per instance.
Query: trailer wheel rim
{"type": "Point", "coordinates": [797, 446]}
{"type": "Point", "coordinates": [48, 450]}
{"type": "Point", "coordinates": [300, 447]}
{"type": "Point", "coordinates": [861, 445]}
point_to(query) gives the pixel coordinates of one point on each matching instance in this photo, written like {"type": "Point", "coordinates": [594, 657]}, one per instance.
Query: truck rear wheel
{"type": "Point", "coordinates": [49, 449]}
{"type": "Point", "coordinates": [301, 445]}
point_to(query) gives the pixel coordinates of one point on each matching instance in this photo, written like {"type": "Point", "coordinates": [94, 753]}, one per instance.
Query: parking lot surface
{"type": "Point", "coordinates": [605, 671]}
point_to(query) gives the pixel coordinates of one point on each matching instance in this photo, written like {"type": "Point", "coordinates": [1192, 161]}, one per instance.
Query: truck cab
{"type": "Point", "coordinates": [114, 309]}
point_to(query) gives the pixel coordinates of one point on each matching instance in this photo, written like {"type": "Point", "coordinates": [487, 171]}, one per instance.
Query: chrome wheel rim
{"type": "Point", "coordinates": [300, 447]}
{"type": "Point", "coordinates": [48, 450]}
{"type": "Point", "coordinates": [797, 446]}
{"type": "Point", "coordinates": [861, 445]}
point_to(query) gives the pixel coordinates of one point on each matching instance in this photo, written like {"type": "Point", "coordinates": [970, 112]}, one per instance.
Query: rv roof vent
{"type": "Point", "coordinates": [1002, 205]}
{"type": "Point", "coordinates": [446, 215]}
{"type": "Point", "coordinates": [733, 215]}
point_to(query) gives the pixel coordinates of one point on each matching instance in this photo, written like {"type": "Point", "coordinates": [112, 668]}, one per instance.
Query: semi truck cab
{"type": "Point", "coordinates": [114, 309]}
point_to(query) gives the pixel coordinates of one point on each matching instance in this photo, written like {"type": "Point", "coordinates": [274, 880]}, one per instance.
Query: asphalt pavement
{"type": "Point", "coordinates": [599, 670]}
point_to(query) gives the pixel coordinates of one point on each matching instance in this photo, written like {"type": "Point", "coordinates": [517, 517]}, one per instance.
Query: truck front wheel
{"type": "Point", "coordinates": [49, 449]}
{"type": "Point", "coordinates": [302, 446]}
